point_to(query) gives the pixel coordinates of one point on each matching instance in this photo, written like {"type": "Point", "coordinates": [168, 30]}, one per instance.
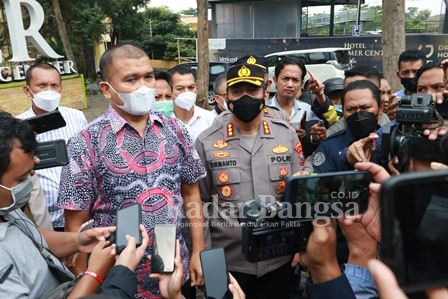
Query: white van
{"type": "Point", "coordinates": [324, 63]}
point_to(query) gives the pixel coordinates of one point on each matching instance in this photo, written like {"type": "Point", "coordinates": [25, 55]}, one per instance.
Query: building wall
{"type": "Point", "coordinates": [255, 19]}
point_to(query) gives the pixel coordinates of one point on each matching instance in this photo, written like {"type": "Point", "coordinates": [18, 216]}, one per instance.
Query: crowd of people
{"type": "Point", "coordinates": [154, 146]}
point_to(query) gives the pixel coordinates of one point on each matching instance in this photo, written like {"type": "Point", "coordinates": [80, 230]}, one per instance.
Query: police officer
{"type": "Point", "coordinates": [247, 155]}
{"type": "Point", "coordinates": [361, 102]}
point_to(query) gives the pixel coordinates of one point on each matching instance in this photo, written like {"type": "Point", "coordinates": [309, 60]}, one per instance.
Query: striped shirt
{"type": "Point", "coordinates": [50, 177]}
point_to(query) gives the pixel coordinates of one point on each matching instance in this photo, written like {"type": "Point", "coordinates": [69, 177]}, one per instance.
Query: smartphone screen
{"type": "Point", "coordinates": [128, 223]}
{"type": "Point", "coordinates": [414, 227]}
{"type": "Point", "coordinates": [216, 277]}
{"type": "Point", "coordinates": [163, 248]}
{"type": "Point", "coordinates": [46, 122]}
{"type": "Point", "coordinates": [329, 194]}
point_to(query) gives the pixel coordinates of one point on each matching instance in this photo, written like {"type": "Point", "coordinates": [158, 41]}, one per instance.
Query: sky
{"type": "Point", "coordinates": [178, 5]}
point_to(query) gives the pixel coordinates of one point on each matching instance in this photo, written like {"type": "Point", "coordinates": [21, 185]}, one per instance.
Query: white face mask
{"type": "Point", "coordinates": [46, 100]}
{"type": "Point", "coordinates": [20, 194]}
{"type": "Point", "coordinates": [186, 100]}
{"type": "Point", "coordinates": [138, 102]}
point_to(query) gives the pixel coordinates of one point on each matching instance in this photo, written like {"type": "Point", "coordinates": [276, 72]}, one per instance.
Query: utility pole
{"type": "Point", "coordinates": [394, 39]}
{"type": "Point", "coordinates": [203, 57]}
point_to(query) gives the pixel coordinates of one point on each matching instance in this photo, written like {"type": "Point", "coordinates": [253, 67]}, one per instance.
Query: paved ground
{"type": "Point", "coordinates": [96, 105]}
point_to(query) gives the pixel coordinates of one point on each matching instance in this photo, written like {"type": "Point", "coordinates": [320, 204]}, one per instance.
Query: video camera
{"type": "Point", "coordinates": [274, 229]}
{"type": "Point", "coordinates": [50, 153]}
{"type": "Point", "coordinates": [404, 138]}
{"type": "Point", "coordinates": [266, 235]}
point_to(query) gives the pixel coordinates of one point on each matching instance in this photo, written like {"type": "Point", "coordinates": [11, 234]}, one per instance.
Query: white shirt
{"type": "Point", "coordinates": [297, 112]}
{"type": "Point", "coordinates": [50, 177]}
{"type": "Point", "coordinates": [201, 120]}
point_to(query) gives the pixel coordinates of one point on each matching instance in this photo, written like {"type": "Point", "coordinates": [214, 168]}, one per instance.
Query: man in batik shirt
{"type": "Point", "coordinates": [131, 154]}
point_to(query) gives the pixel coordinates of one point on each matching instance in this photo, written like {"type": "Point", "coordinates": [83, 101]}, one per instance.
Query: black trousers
{"type": "Point", "coordinates": [275, 284]}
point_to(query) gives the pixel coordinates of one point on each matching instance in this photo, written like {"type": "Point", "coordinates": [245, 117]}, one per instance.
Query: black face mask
{"type": "Point", "coordinates": [246, 108]}
{"type": "Point", "coordinates": [410, 84]}
{"type": "Point", "coordinates": [361, 124]}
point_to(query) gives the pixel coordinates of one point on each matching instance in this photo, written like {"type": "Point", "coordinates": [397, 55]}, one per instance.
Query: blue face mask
{"type": "Point", "coordinates": [20, 195]}
{"type": "Point", "coordinates": [338, 108]}
{"type": "Point", "coordinates": [165, 106]}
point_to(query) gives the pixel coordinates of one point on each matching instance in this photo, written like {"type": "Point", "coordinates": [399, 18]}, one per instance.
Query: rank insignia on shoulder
{"type": "Point", "coordinates": [221, 154]}
{"type": "Point", "coordinates": [266, 128]}
{"type": "Point", "coordinates": [223, 177]}
{"type": "Point", "coordinates": [280, 149]}
{"type": "Point", "coordinates": [226, 191]}
{"type": "Point", "coordinates": [230, 130]}
{"type": "Point", "coordinates": [265, 111]}
{"type": "Point", "coordinates": [220, 144]}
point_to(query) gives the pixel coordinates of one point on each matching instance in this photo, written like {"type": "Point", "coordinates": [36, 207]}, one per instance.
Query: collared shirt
{"type": "Point", "coordinates": [24, 273]}
{"type": "Point", "coordinates": [50, 177]}
{"type": "Point", "coordinates": [201, 120]}
{"type": "Point", "coordinates": [240, 169]}
{"type": "Point", "coordinates": [111, 166]}
{"type": "Point", "coordinates": [297, 112]}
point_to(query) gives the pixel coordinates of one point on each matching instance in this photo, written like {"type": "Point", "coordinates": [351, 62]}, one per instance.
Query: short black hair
{"type": "Point", "coordinates": [411, 55]}
{"type": "Point", "coordinates": [365, 71]}
{"type": "Point", "coordinates": [182, 69]}
{"type": "Point", "coordinates": [363, 84]}
{"type": "Point", "coordinates": [39, 65]}
{"type": "Point", "coordinates": [289, 60]}
{"type": "Point", "coordinates": [221, 78]}
{"type": "Point", "coordinates": [119, 51]}
{"type": "Point", "coordinates": [162, 75]}
{"type": "Point", "coordinates": [426, 67]}
{"type": "Point", "coordinates": [12, 129]}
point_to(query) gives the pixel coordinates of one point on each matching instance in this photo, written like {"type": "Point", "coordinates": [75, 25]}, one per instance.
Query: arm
{"type": "Point", "coordinates": [195, 216]}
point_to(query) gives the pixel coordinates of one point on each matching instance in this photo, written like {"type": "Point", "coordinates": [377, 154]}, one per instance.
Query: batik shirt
{"type": "Point", "coordinates": [111, 166]}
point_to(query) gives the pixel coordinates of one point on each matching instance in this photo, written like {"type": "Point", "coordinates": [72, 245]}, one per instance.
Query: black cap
{"type": "Point", "coordinates": [249, 73]}
{"type": "Point", "coordinates": [252, 59]}
{"type": "Point", "coordinates": [333, 84]}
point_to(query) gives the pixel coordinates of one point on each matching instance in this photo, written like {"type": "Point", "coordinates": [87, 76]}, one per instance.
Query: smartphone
{"type": "Point", "coordinates": [46, 122]}
{"type": "Point", "coordinates": [334, 194]}
{"type": "Point", "coordinates": [216, 276]}
{"type": "Point", "coordinates": [163, 248]}
{"type": "Point", "coordinates": [128, 223]}
{"type": "Point", "coordinates": [303, 121]}
{"type": "Point", "coordinates": [414, 229]}
{"type": "Point", "coordinates": [51, 154]}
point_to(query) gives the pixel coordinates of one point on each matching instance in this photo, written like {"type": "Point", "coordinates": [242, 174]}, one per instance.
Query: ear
{"type": "Point", "coordinates": [26, 91]}
{"type": "Point", "coordinates": [398, 75]}
{"type": "Point", "coordinates": [106, 90]}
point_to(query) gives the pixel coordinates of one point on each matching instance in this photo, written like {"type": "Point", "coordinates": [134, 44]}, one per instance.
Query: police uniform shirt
{"type": "Point", "coordinates": [240, 170]}
{"type": "Point", "coordinates": [327, 155]}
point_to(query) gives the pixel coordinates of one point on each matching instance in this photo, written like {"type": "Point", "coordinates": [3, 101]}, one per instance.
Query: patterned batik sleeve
{"type": "Point", "coordinates": [77, 186]}
{"type": "Point", "coordinates": [192, 169]}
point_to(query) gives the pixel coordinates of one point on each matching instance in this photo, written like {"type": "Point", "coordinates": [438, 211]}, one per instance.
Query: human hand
{"type": "Point", "coordinates": [320, 256]}
{"type": "Point", "coordinates": [361, 246]}
{"type": "Point", "coordinates": [102, 258]}
{"type": "Point", "coordinates": [235, 288]}
{"type": "Point", "coordinates": [170, 284]}
{"type": "Point", "coordinates": [317, 88]}
{"type": "Point", "coordinates": [196, 275]}
{"type": "Point", "coordinates": [433, 134]}
{"type": "Point", "coordinates": [371, 218]}
{"type": "Point", "coordinates": [300, 131]}
{"type": "Point", "coordinates": [438, 166]}
{"type": "Point", "coordinates": [87, 240]}
{"type": "Point", "coordinates": [362, 150]}
{"type": "Point", "coordinates": [131, 255]}
{"type": "Point", "coordinates": [303, 172]}
{"type": "Point", "coordinates": [318, 132]}
{"type": "Point", "coordinates": [391, 108]}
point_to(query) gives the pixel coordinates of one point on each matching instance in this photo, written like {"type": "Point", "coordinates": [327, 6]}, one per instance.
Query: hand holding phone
{"type": "Point", "coordinates": [303, 121]}
{"type": "Point", "coordinates": [163, 248]}
{"type": "Point", "coordinates": [128, 223]}
{"type": "Point", "coordinates": [46, 122]}
{"type": "Point", "coordinates": [216, 276]}
{"type": "Point", "coordinates": [131, 255]}
{"type": "Point", "coordinates": [51, 154]}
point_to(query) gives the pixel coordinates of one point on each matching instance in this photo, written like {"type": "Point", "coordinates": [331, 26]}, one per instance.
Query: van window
{"type": "Point", "coordinates": [318, 57]}
{"type": "Point", "coordinates": [342, 57]}
{"type": "Point", "coordinates": [217, 69]}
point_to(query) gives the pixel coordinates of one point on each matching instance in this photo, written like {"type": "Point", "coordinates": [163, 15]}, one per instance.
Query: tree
{"type": "Point", "coordinates": [203, 58]}
{"type": "Point", "coordinates": [189, 12]}
{"type": "Point", "coordinates": [62, 31]}
{"type": "Point", "coordinates": [165, 27]}
{"type": "Point", "coordinates": [394, 39]}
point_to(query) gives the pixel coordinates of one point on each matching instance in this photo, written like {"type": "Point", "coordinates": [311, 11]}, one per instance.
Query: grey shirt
{"type": "Point", "coordinates": [24, 273]}
{"type": "Point", "coordinates": [239, 170]}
